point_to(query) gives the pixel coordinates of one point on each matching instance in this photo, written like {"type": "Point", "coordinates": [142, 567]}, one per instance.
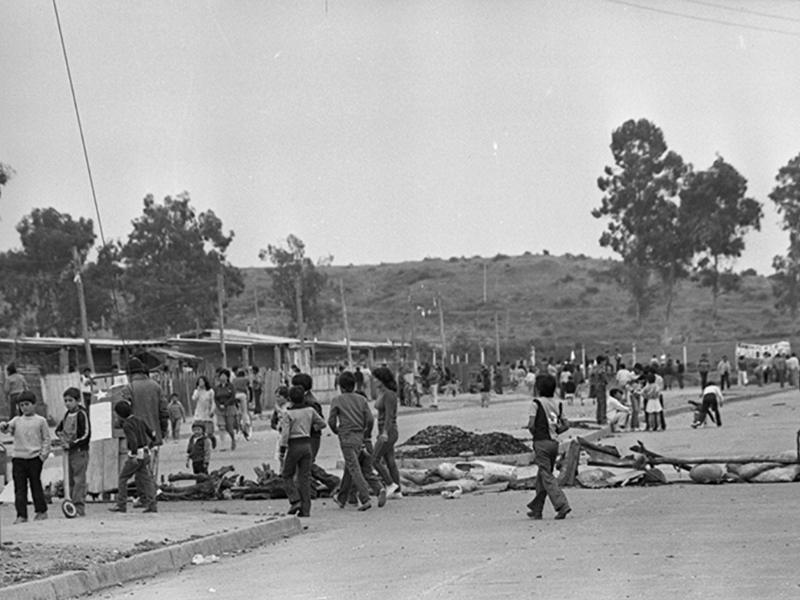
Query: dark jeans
{"type": "Point", "coordinates": [724, 381]}
{"type": "Point", "coordinates": [26, 471]}
{"type": "Point", "coordinates": [703, 379]}
{"type": "Point", "coordinates": [601, 404]}
{"type": "Point", "coordinates": [145, 484]}
{"type": "Point", "coordinates": [546, 484]}
{"type": "Point", "coordinates": [709, 404]}
{"type": "Point", "coordinates": [78, 462]}
{"type": "Point", "coordinates": [365, 459]}
{"type": "Point", "coordinates": [384, 459]}
{"type": "Point", "coordinates": [298, 463]}
{"type": "Point", "coordinates": [352, 472]}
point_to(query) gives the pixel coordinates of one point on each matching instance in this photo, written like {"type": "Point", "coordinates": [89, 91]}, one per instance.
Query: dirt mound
{"type": "Point", "coordinates": [441, 441]}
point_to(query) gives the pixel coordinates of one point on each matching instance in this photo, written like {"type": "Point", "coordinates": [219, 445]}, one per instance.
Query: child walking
{"type": "Point", "coordinates": [75, 432]}
{"type": "Point", "coordinates": [296, 429]}
{"type": "Point", "coordinates": [140, 439]}
{"type": "Point", "coordinates": [176, 415]}
{"type": "Point", "coordinates": [198, 452]}
{"type": "Point", "coordinates": [31, 449]}
{"type": "Point", "coordinates": [652, 407]}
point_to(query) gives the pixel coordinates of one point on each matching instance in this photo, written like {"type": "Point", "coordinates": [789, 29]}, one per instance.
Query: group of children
{"type": "Point", "coordinates": [32, 447]}
{"type": "Point", "coordinates": [299, 419]}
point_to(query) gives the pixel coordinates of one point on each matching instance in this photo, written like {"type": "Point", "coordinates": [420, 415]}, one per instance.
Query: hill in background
{"type": "Point", "coordinates": [557, 303]}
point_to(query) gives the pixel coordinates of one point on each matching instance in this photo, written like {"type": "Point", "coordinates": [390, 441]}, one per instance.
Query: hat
{"type": "Point", "coordinates": [73, 393]}
{"type": "Point", "coordinates": [136, 366]}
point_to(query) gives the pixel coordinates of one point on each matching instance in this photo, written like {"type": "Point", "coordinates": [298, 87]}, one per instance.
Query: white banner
{"type": "Point", "coordinates": [750, 350]}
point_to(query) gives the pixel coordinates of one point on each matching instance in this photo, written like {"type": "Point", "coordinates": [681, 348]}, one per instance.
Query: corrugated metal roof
{"type": "Point", "coordinates": [63, 341]}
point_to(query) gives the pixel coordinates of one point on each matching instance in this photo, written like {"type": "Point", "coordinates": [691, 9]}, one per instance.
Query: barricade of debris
{"type": "Point", "coordinates": [641, 466]}
{"type": "Point", "coordinates": [442, 441]}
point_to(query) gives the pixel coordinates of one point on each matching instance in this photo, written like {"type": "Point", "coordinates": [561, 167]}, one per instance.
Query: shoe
{"type": "Point", "coordinates": [119, 509]}
{"type": "Point", "coordinates": [563, 512]}
{"type": "Point", "coordinates": [40, 516]}
{"type": "Point", "coordinates": [151, 509]}
{"type": "Point", "coordinates": [339, 502]}
{"type": "Point", "coordinates": [293, 509]}
{"type": "Point", "coordinates": [392, 488]}
{"type": "Point", "coordinates": [365, 506]}
{"type": "Point", "coordinates": [382, 498]}
{"type": "Point", "coordinates": [398, 495]}
{"type": "Point", "coordinates": [19, 520]}
{"type": "Point", "coordinates": [534, 515]}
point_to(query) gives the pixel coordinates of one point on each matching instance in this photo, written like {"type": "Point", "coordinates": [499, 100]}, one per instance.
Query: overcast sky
{"type": "Point", "coordinates": [388, 131]}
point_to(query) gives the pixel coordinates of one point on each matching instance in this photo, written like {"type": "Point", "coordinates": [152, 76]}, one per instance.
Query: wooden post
{"type": "Point", "coordinates": [496, 338]}
{"type": "Point", "coordinates": [301, 326]}
{"type": "Point", "coordinates": [82, 302]}
{"type": "Point", "coordinates": [255, 305]}
{"type": "Point", "coordinates": [441, 330]}
{"type": "Point", "coordinates": [220, 303]}
{"type": "Point", "coordinates": [346, 326]}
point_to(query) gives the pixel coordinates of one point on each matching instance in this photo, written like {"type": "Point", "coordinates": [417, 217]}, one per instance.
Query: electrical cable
{"type": "Point", "coordinates": [114, 294]}
{"type": "Point", "coordinates": [705, 19]}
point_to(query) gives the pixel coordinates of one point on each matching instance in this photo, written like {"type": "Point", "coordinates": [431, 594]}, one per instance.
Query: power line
{"type": "Point", "coordinates": [746, 11]}
{"type": "Point", "coordinates": [705, 19]}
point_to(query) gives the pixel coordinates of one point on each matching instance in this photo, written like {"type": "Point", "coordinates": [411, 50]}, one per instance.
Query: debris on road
{"type": "Point", "coordinates": [442, 441]}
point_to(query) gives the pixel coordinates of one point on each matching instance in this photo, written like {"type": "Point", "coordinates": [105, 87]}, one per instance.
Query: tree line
{"type": "Point", "coordinates": [162, 280]}
{"type": "Point", "coordinates": [669, 221]}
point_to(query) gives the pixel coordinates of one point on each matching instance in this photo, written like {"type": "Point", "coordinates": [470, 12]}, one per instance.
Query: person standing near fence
{"type": "Point", "coordinates": [14, 385]}
{"type": "Point", "coordinates": [703, 367]}
{"type": "Point", "coordinates": [597, 379]}
{"type": "Point", "coordinates": [741, 371]}
{"type": "Point", "coordinates": [724, 370]}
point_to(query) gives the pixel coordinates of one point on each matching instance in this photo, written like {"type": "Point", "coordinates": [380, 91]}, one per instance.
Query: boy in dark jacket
{"type": "Point", "coordinates": [140, 438]}
{"type": "Point", "coordinates": [198, 452]}
{"type": "Point", "coordinates": [75, 432]}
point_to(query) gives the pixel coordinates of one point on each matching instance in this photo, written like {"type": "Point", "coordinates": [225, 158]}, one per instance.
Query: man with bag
{"type": "Point", "coordinates": [148, 404]}
{"type": "Point", "coordinates": [543, 423]}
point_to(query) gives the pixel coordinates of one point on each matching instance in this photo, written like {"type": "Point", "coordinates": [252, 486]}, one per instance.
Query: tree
{"type": "Point", "coordinates": [38, 289]}
{"type": "Point", "coordinates": [786, 195]}
{"type": "Point", "coordinates": [171, 262]}
{"type": "Point", "coordinates": [717, 215]}
{"type": "Point", "coordinates": [295, 274]}
{"type": "Point", "coordinates": [5, 174]}
{"type": "Point", "coordinates": [644, 227]}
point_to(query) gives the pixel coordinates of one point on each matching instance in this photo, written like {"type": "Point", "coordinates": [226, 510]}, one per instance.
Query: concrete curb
{"type": "Point", "coordinates": [147, 564]}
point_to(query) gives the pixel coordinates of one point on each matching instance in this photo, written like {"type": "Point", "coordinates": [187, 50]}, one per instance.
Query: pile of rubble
{"type": "Point", "coordinates": [438, 441]}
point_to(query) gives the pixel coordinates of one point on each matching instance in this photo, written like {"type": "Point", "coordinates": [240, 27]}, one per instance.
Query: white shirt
{"type": "Point", "coordinates": [713, 389]}
{"type": "Point", "coordinates": [614, 406]}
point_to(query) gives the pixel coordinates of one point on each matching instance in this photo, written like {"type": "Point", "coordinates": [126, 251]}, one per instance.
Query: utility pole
{"type": "Point", "coordinates": [346, 326]}
{"type": "Point", "coordinates": [441, 329]}
{"type": "Point", "coordinates": [220, 302]}
{"type": "Point", "coordinates": [496, 337]}
{"type": "Point", "coordinates": [255, 304]}
{"type": "Point", "coordinates": [301, 326]}
{"type": "Point", "coordinates": [82, 303]}
{"type": "Point", "coordinates": [484, 283]}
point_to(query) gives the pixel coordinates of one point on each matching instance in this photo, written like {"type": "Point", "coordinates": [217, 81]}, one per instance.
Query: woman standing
{"type": "Point", "coordinates": [203, 399]}
{"type": "Point", "coordinates": [225, 400]}
{"type": "Point", "coordinates": [386, 405]}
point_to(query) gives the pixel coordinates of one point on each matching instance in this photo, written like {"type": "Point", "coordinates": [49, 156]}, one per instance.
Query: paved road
{"type": "Point", "coordinates": [682, 540]}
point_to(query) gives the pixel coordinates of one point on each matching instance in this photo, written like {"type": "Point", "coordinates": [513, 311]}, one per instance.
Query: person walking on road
{"type": "Point", "coordinates": [542, 425]}
{"type": "Point", "coordinates": [349, 418]}
{"type": "Point", "coordinates": [386, 405]}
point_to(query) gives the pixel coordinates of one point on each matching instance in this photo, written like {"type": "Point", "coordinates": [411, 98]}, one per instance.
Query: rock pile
{"type": "Point", "coordinates": [438, 441]}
